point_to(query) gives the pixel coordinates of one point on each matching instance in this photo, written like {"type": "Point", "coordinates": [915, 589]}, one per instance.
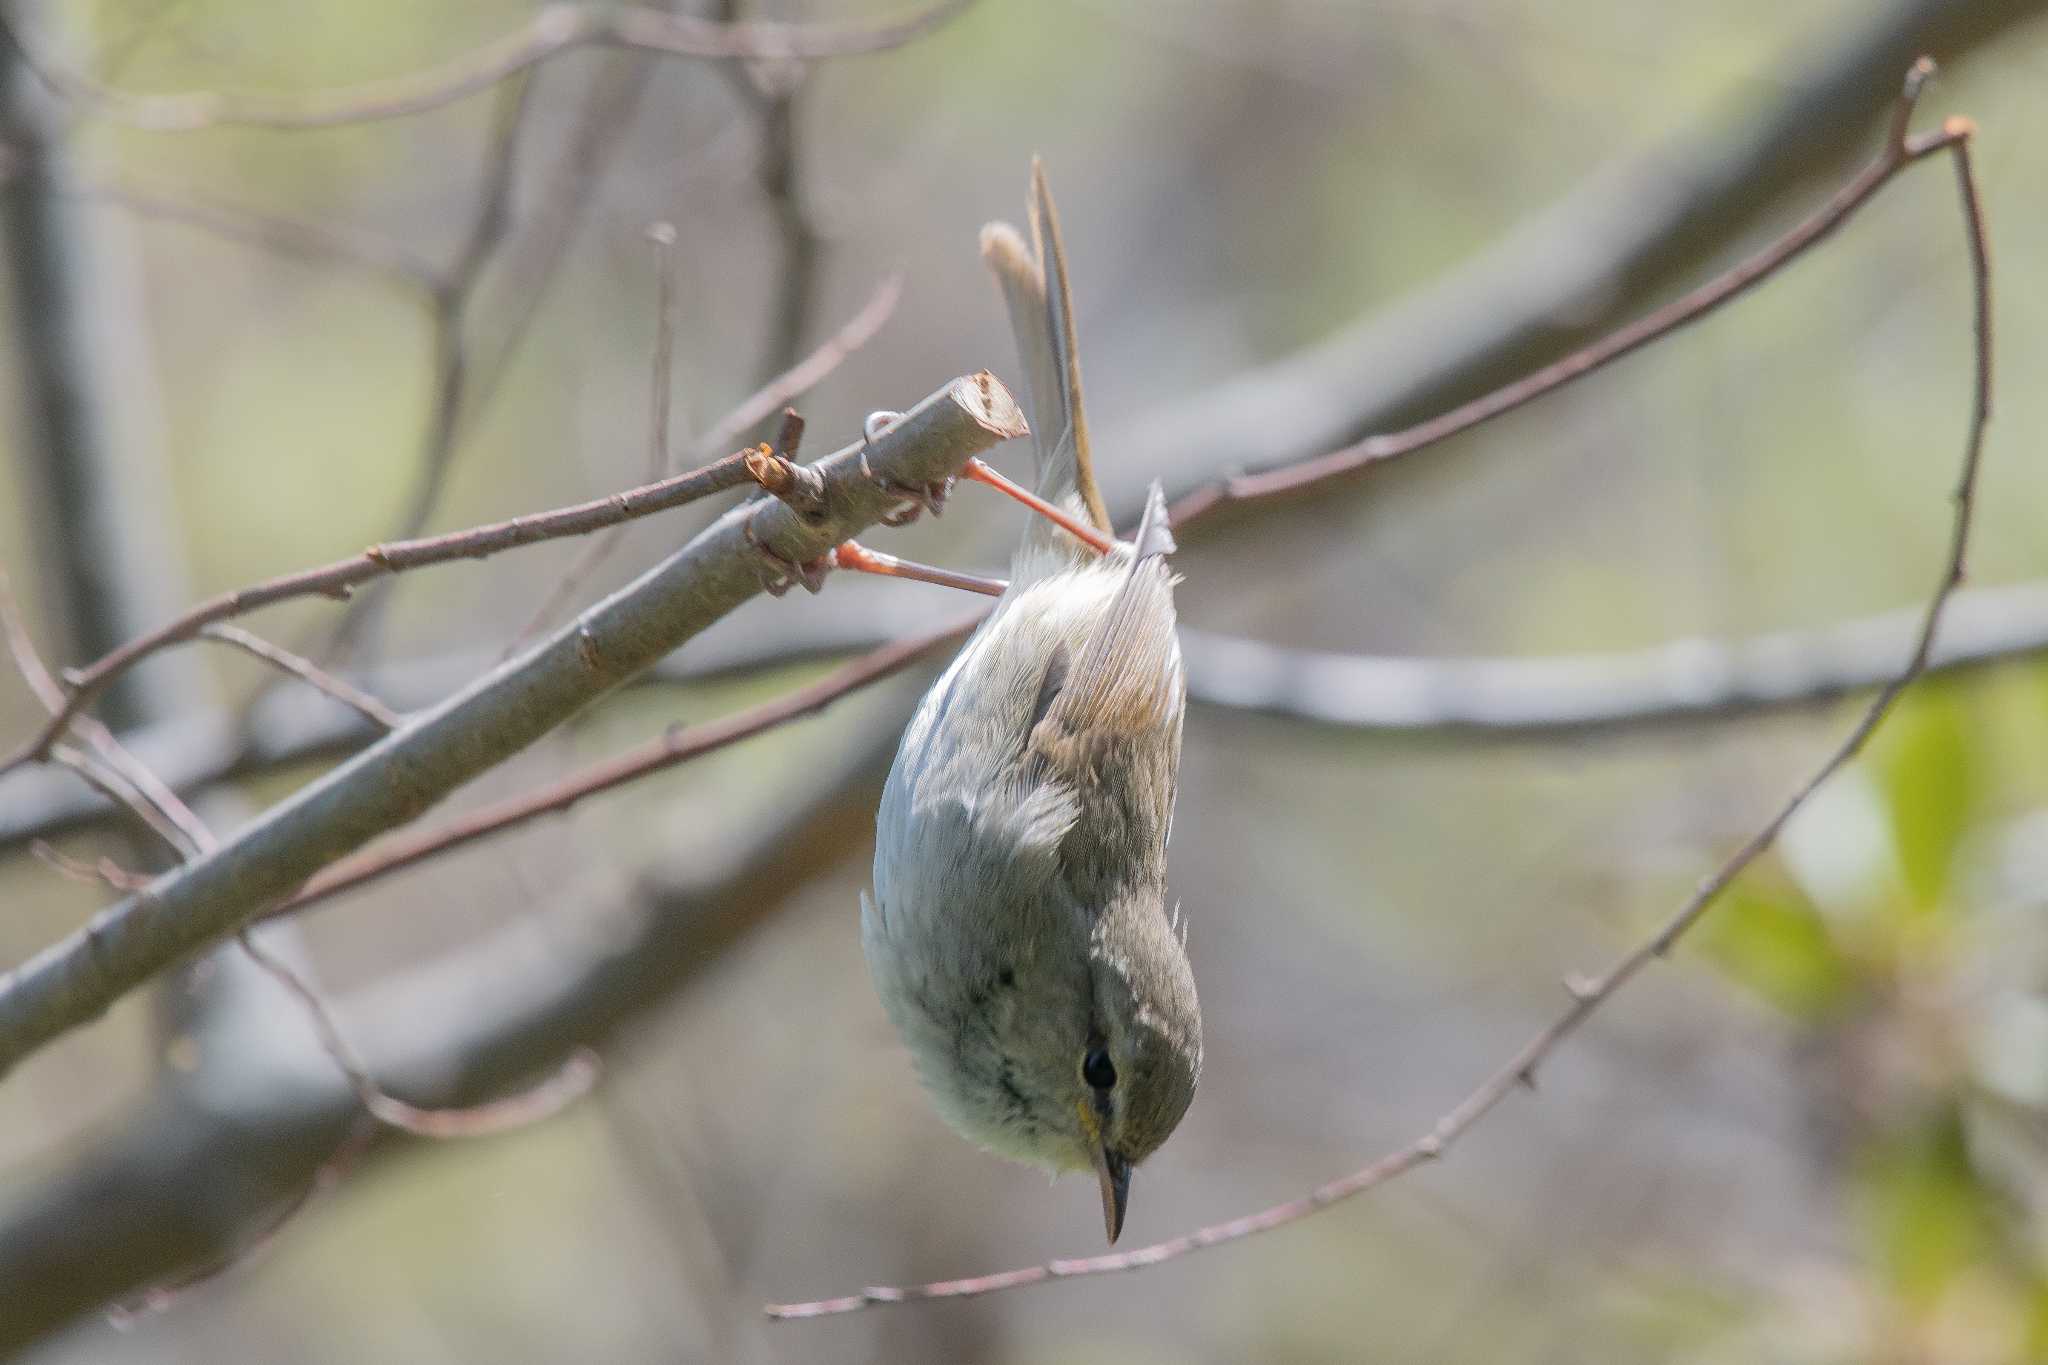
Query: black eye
{"type": "Point", "coordinates": [1098, 1070]}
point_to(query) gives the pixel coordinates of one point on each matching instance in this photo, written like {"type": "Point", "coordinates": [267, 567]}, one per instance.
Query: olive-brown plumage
{"type": "Point", "coordinates": [1019, 934]}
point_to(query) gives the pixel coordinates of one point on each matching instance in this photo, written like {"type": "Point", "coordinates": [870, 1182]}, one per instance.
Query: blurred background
{"type": "Point", "coordinates": [1817, 1134]}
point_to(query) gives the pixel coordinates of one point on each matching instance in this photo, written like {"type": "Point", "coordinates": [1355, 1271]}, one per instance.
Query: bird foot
{"type": "Point", "coordinates": [780, 573]}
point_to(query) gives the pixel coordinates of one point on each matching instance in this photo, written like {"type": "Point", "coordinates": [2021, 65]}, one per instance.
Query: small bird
{"type": "Point", "coordinates": [1019, 935]}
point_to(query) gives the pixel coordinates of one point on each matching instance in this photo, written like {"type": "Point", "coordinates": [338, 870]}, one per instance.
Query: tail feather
{"type": "Point", "coordinates": [1040, 303]}
{"type": "Point", "coordinates": [1154, 536]}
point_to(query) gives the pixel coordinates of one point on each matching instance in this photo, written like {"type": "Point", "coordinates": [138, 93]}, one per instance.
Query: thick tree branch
{"type": "Point", "coordinates": [76, 979]}
{"type": "Point", "coordinates": [179, 1181]}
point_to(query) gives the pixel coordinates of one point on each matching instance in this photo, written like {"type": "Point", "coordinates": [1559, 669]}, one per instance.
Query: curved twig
{"type": "Point", "coordinates": [1586, 995]}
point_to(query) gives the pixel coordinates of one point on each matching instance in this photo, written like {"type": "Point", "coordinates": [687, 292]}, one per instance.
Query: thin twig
{"type": "Point", "coordinates": [677, 745]}
{"type": "Point", "coordinates": [661, 380]}
{"type": "Point", "coordinates": [305, 238]}
{"type": "Point", "coordinates": [116, 774]}
{"type": "Point", "coordinates": [660, 389]}
{"type": "Point", "coordinates": [1294, 479]}
{"type": "Point", "coordinates": [103, 779]}
{"type": "Point", "coordinates": [1586, 995]}
{"type": "Point", "coordinates": [451, 302]}
{"type": "Point", "coordinates": [770, 91]}
{"type": "Point", "coordinates": [453, 295]}
{"type": "Point", "coordinates": [103, 871]}
{"type": "Point", "coordinates": [355, 1142]}
{"type": "Point", "coordinates": [1631, 233]}
{"type": "Point", "coordinates": [808, 373]}
{"type": "Point", "coordinates": [561, 203]}
{"type": "Point", "coordinates": [298, 666]}
{"type": "Point", "coordinates": [338, 578]}
{"type": "Point", "coordinates": [555, 29]}
{"type": "Point", "coordinates": [549, 1097]}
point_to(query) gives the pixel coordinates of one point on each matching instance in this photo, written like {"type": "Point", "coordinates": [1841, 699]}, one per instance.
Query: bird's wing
{"type": "Point", "coordinates": [1118, 700]}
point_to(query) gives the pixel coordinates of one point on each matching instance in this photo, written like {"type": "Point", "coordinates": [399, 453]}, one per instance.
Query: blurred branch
{"type": "Point", "coordinates": [452, 294]}
{"type": "Point", "coordinates": [534, 1104]}
{"type": "Point", "coordinates": [450, 297]}
{"type": "Point", "coordinates": [1535, 698]}
{"type": "Point", "coordinates": [1586, 693]}
{"type": "Point", "coordinates": [1604, 253]}
{"type": "Point", "coordinates": [92, 458]}
{"type": "Point", "coordinates": [178, 1181]}
{"type": "Point", "coordinates": [751, 412]}
{"type": "Point", "coordinates": [1586, 995]}
{"type": "Point", "coordinates": [807, 373]}
{"type": "Point", "coordinates": [304, 669]}
{"type": "Point", "coordinates": [562, 200]}
{"type": "Point", "coordinates": [553, 30]}
{"type": "Point", "coordinates": [402, 775]}
{"type": "Point", "coordinates": [770, 90]}
{"type": "Point", "coordinates": [306, 238]}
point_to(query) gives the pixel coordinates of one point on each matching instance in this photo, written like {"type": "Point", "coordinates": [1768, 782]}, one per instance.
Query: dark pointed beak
{"type": "Point", "coordinates": [1115, 1174]}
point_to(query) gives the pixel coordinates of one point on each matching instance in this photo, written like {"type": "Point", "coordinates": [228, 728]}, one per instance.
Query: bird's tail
{"type": "Point", "coordinates": [1034, 282]}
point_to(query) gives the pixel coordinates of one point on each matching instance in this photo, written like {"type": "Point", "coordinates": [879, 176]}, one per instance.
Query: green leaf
{"type": "Point", "coordinates": [1929, 771]}
{"type": "Point", "coordinates": [1929, 1216]}
{"type": "Point", "coordinates": [1768, 936]}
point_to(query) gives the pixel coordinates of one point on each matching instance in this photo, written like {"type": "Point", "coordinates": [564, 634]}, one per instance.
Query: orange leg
{"type": "Point", "coordinates": [853, 555]}
{"type": "Point", "coordinates": [981, 473]}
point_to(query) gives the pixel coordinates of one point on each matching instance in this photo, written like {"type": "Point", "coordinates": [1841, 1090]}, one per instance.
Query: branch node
{"type": "Point", "coordinates": [790, 435]}
{"type": "Point", "coordinates": [1917, 76]}
{"type": "Point", "coordinates": [799, 486]}
{"type": "Point", "coordinates": [588, 653]}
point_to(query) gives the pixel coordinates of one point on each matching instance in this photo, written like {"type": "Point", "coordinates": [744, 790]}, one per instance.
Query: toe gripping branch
{"type": "Point", "coordinates": [775, 469]}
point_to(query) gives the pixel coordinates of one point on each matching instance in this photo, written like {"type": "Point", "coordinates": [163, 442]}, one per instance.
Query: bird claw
{"type": "Point", "coordinates": [782, 573]}
{"type": "Point", "coordinates": [918, 498]}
